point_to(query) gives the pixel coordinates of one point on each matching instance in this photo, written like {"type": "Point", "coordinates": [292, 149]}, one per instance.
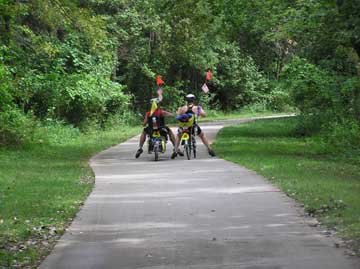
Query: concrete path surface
{"type": "Point", "coordinates": [203, 213]}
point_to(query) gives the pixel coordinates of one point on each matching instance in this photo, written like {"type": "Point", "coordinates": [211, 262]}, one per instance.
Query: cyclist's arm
{"type": "Point", "coordinates": [179, 111]}
{"type": "Point", "coordinates": [168, 114]}
{"type": "Point", "coordinates": [182, 110]}
{"type": "Point", "coordinates": [145, 120]}
{"type": "Point", "coordinates": [199, 111]}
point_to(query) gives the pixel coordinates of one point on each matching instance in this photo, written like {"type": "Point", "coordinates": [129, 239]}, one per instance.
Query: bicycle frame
{"type": "Point", "coordinates": [188, 141]}
{"type": "Point", "coordinates": [156, 144]}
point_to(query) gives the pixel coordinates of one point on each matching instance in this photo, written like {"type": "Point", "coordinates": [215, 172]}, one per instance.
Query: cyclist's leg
{"type": "Point", "coordinates": [171, 135]}
{"type": "Point", "coordinates": [205, 141]}
{"type": "Point", "coordinates": [177, 143]}
{"type": "Point", "coordinates": [141, 142]}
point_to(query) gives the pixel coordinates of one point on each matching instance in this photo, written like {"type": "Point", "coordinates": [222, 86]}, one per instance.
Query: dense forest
{"type": "Point", "coordinates": [94, 62]}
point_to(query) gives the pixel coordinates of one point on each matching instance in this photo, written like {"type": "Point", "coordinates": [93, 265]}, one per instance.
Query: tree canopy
{"type": "Point", "coordinates": [83, 61]}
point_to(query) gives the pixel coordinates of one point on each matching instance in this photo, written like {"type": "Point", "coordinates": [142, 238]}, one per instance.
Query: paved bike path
{"type": "Point", "coordinates": [203, 213]}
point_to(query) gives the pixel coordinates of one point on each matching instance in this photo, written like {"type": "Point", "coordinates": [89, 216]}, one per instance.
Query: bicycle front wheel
{"type": "Point", "coordinates": [188, 151]}
{"type": "Point", "coordinates": [194, 148]}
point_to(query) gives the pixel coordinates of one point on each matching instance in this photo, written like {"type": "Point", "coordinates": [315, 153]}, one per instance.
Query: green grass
{"type": "Point", "coordinates": [42, 186]}
{"type": "Point", "coordinates": [220, 115]}
{"type": "Point", "coordinates": [215, 115]}
{"type": "Point", "coordinates": [325, 182]}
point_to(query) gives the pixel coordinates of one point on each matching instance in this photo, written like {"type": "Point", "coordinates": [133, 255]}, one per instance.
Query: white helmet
{"type": "Point", "coordinates": [190, 98]}
{"type": "Point", "coordinates": [156, 100]}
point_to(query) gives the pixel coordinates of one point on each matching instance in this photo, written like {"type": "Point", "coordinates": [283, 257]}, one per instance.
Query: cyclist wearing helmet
{"type": "Point", "coordinates": [191, 108]}
{"type": "Point", "coordinates": [159, 114]}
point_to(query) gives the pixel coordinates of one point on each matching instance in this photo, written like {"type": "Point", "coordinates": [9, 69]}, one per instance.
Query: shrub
{"type": "Point", "coordinates": [77, 98]}
{"type": "Point", "coordinates": [174, 96]}
{"type": "Point", "coordinates": [238, 81]}
{"type": "Point", "coordinates": [55, 132]}
{"type": "Point", "coordinates": [15, 127]}
{"type": "Point", "coordinates": [329, 103]}
{"type": "Point", "coordinates": [5, 87]}
{"type": "Point", "coordinates": [278, 99]}
{"type": "Point", "coordinates": [312, 91]}
{"type": "Point", "coordinates": [343, 135]}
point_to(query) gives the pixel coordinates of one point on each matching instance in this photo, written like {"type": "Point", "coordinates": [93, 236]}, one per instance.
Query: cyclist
{"type": "Point", "coordinates": [191, 108]}
{"type": "Point", "coordinates": [159, 115]}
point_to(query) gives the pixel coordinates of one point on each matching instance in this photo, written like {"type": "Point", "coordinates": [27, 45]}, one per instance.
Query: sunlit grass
{"type": "Point", "coordinates": [220, 115]}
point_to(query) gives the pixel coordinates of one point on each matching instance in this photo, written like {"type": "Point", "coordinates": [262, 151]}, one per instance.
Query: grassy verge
{"type": "Point", "coordinates": [220, 115]}
{"type": "Point", "coordinates": [326, 183]}
{"type": "Point", "coordinates": [214, 115]}
{"type": "Point", "coordinates": [42, 186]}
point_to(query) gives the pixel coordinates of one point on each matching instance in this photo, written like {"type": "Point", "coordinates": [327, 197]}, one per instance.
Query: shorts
{"type": "Point", "coordinates": [198, 129]}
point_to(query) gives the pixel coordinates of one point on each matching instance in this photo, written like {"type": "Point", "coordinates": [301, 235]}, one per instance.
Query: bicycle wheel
{"type": "Point", "coordinates": [194, 147]}
{"type": "Point", "coordinates": [188, 151]}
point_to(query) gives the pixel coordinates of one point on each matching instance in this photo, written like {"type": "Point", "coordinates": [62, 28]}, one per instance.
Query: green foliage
{"type": "Point", "coordinates": [83, 62]}
{"type": "Point", "coordinates": [15, 127]}
{"type": "Point", "coordinates": [52, 132]}
{"type": "Point", "coordinates": [328, 104]}
{"type": "Point", "coordinates": [173, 97]}
{"type": "Point", "coordinates": [343, 135]}
{"type": "Point", "coordinates": [311, 88]}
{"type": "Point", "coordinates": [278, 99]}
{"type": "Point", "coordinates": [238, 81]}
{"type": "Point", "coordinates": [75, 98]}
{"type": "Point", "coordinates": [86, 97]}
{"type": "Point", "coordinates": [5, 87]}
{"type": "Point", "coordinates": [62, 58]}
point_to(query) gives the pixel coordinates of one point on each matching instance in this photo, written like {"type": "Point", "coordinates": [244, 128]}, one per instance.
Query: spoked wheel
{"type": "Point", "coordinates": [194, 150]}
{"type": "Point", "coordinates": [188, 151]}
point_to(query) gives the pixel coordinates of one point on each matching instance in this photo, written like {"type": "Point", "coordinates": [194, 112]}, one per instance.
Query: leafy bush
{"type": "Point", "coordinates": [329, 104]}
{"type": "Point", "coordinates": [15, 126]}
{"type": "Point", "coordinates": [238, 81]}
{"type": "Point", "coordinates": [343, 135]}
{"type": "Point", "coordinates": [87, 97]}
{"type": "Point", "coordinates": [312, 90]}
{"type": "Point", "coordinates": [5, 87]}
{"type": "Point", "coordinates": [55, 132]}
{"type": "Point", "coordinates": [74, 98]}
{"type": "Point", "coordinates": [350, 98]}
{"type": "Point", "coordinates": [278, 99]}
{"type": "Point", "coordinates": [174, 97]}
{"type": "Point", "coordinates": [125, 118]}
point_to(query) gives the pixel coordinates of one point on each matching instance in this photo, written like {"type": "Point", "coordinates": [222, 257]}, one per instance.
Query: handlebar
{"type": "Point", "coordinates": [184, 117]}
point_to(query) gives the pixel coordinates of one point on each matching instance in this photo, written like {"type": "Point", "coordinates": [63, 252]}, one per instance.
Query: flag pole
{"type": "Point", "coordinates": [207, 77]}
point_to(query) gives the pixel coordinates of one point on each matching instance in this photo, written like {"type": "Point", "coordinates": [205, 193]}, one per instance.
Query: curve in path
{"type": "Point", "coordinates": [203, 213]}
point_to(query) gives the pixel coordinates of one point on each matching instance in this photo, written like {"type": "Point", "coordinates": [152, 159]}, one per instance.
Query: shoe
{"type": "Point", "coordinates": [173, 155]}
{"type": "Point", "coordinates": [212, 153]}
{"type": "Point", "coordinates": [138, 153]}
{"type": "Point", "coordinates": [180, 153]}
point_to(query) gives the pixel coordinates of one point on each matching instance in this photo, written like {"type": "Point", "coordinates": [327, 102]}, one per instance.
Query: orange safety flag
{"type": "Point", "coordinates": [159, 81]}
{"type": "Point", "coordinates": [208, 75]}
